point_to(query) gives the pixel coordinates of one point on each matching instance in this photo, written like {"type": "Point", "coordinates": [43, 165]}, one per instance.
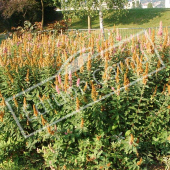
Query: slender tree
{"type": "Point", "coordinates": [44, 4]}
{"type": "Point", "coordinates": [133, 5]}
{"type": "Point", "coordinates": [138, 4]}
{"type": "Point", "coordinates": [150, 5]}
{"type": "Point", "coordinates": [42, 18]}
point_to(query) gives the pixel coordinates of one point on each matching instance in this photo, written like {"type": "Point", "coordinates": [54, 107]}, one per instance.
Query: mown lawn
{"type": "Point", "coordinates": [133, 18]}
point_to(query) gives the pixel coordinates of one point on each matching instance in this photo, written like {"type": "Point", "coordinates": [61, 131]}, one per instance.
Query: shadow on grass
{"type": "Point", "coordinates": [135, 16]}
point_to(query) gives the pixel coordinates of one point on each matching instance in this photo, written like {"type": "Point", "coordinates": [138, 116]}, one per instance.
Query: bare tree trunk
{"type": "Point", "coordinates": [42, 21]}
{"type": "Point", "coordinates": [89, 24]}
{"type": "Point", "coordinates": [101, 20]}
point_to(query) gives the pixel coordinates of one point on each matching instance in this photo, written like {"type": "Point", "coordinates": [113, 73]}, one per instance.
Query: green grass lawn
{"type": "Point", "coordinates": [134, 18]}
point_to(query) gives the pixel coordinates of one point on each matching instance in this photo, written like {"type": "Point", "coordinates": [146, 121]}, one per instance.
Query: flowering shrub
{"type": "Point", "coordinates": [115, 122]}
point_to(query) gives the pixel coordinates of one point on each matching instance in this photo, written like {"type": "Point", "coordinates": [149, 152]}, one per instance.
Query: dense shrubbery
{"type": "Point", "coordinates": [125, 126]}
{"type": "Point", "coordinates": [33, 16]}
{"type": "Point", "coordinates": [60, 26]}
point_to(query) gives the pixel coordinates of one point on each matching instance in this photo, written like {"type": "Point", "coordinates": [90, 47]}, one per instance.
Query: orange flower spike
{"type": "Point", "coordinates": [82, 123]}
{"type": "Point", "coordinates": [25, 103]}
{"type": "Point", "coordinates": [121, 65]}
{"type": "Point", "coordinates": [168, 89]}
{"type": "Point", "coordinates": [15, 102]}
{"type": "Point", "coordinates": [85, 87]}
{"type": "Point", "coordinates": [65, 55]}
{"type": "Point", "coordinates": [43, 120]}
{"type": "Point", "coordinates": [98, 138]}
{"type": "Point", "coordinates": [77, 104]}
{"type": "Point", "coordinates": [147, 68]}
{"type": "Point", "coordinates": [164, 88]}
{"type": "Point", "coordinates": [108, 165]}
{"type": "Point", "coordinates": [158, 64]}
{"type": "Point", "coordinates": [3, 102]}
{"type": "Point", "coordinates": [50, 131]}
{"type": "Point", "coordinates": [126, 81]}
{"type": "Point", "coordinates": [139, 162]}
{"type": "Point", "coordinates": [1, 116]}
{"type": "Point", "coordinates": [131, 139]}
{"type": "Point", "coordinates": [35, 110]}
{"type": "Point", "coordinates": [93, 93]}
{"type": "Point", "coordinates": [66, 82]}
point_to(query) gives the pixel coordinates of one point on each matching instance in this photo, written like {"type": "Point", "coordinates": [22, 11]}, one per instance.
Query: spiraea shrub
{"type": "Point", "coordinates": [110, 100]}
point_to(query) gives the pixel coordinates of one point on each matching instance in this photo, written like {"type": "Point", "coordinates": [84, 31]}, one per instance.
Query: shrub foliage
{"type": "Point", "coordinates": [120, 112]}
